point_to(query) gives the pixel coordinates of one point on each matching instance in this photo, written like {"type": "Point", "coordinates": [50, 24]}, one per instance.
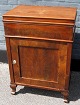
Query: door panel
{"type": "Point", "coordinates": [39, 63]}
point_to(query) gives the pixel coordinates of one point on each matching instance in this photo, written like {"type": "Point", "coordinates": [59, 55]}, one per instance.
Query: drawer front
{"type": "Point", "coordinates": [39, 30]}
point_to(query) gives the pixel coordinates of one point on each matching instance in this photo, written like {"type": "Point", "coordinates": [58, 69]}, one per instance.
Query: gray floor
{"type": "Point", "coordinates": [30, 96]}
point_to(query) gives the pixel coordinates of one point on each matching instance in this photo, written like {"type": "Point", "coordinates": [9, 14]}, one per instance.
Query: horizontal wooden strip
{"type": "Point", "coordinates": [41, 87]}
{"type": "Point", "coordinates": [39, 80]}
{"type": "Point", "coordinates": [38, 22]}
{"type": "Point", "coordinates": [36, 38]}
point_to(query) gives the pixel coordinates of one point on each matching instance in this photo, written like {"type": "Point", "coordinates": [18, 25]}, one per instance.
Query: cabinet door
{"type": "Point", "coordinates": [39, 63]}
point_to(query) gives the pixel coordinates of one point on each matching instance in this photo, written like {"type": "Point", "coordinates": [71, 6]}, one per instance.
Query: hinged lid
{"type": "Point", "coordinates": [55, 15]}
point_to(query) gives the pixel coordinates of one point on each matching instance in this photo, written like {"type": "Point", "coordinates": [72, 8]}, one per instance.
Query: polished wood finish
{"type": "Point", "coordinates": [39, 44]}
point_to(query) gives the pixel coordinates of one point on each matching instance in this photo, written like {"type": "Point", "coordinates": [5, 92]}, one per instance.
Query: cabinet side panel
{"type": "Point", "coordinates": [62, 64]}
{"type": "Point", "coordinates": [69, 53]}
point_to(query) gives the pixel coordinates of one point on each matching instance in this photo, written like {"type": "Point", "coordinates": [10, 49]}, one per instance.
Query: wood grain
{"type": "Point", "coordinates": [39, 39]}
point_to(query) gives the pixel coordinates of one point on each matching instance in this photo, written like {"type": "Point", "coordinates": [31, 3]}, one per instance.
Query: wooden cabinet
{"type": "Point", "coordinates": [39, 44]}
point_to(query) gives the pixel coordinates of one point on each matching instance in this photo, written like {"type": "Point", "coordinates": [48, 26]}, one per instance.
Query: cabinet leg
{"type": "Point", "coordinates": [65, 94]}
{"type": "Point", "coordinates": [13, 87]}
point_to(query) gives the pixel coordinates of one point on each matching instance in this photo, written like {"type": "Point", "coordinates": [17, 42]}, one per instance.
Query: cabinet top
{"type": "Point", "coordinates": [42, 12]}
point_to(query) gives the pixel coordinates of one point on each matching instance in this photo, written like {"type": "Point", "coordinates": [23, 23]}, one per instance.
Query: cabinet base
{"type": "Point", "coordinates": [64, 93]}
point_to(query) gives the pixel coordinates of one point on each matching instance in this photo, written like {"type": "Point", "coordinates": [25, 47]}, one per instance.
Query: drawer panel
{"type": "Point", "coordinates": [39, 30]}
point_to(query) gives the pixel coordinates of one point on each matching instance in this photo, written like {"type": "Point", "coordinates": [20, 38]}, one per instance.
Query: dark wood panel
{"type": "Point", "coordinates": [38, 63]}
